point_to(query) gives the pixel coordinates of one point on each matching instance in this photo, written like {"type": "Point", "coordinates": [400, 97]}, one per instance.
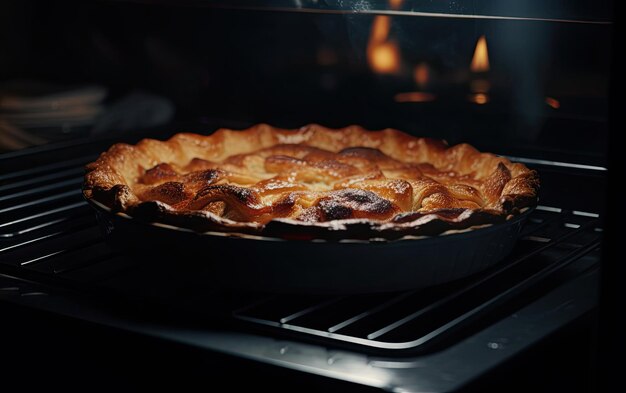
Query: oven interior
{"type": "Point", "coordinates": [528, 81]}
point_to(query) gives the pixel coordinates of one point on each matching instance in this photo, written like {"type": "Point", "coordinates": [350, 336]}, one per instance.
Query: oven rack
{"type": "Point", "coordinates": [49, 234]}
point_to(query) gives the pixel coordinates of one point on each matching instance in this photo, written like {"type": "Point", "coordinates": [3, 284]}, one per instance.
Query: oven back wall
{"type": "Point", "coordinates": [515, 87]}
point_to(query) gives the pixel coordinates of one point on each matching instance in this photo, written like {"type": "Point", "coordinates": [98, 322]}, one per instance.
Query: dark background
{"type": "Point", "coordinates": [226, 67]}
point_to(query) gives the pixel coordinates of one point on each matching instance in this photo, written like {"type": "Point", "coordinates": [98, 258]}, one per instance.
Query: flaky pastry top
{"type": "Point", "coordinates": [313, 182]}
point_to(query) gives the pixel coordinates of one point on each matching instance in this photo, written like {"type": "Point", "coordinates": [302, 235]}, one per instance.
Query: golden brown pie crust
{"type": "Point", "coordinates": [313, 182]}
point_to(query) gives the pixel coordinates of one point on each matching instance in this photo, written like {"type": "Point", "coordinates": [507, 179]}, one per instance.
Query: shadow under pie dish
{"type": "Point", "coordinates": [311, 183]}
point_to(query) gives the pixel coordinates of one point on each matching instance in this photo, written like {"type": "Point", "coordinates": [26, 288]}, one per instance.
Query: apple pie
{"type": "Point", "coordinates": [311, 183]}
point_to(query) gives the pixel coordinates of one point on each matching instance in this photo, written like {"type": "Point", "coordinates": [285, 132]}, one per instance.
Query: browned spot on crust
{"type": "Point", "coordinates": [238, 200]}
{"type": "Point", "coordinates": [355, 203]}
{"type": "Point", "coordinates": [285, 205]}
{"type": "Point", "coordinates": [241, 194]}
{"type": "Point", "coordinates": [208, 176]}
{"type": "Point", "coordinates": [311, 214]}
{"type": "Point", "coordinates": [170, 192]}
{"type": "Point", "coordinates": [158, 174]}
{"type": "Point", "coordinates": [333, 209]}
{"type": "Point", "coordinates": [494, 184]}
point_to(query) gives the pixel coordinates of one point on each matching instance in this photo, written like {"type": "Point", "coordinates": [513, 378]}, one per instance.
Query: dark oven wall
{"type": "Point", "coordinates": [523, 87]}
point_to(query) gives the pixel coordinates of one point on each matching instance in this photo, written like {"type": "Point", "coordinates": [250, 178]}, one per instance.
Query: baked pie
{"type": "Point", "coordinates": [310, 183]}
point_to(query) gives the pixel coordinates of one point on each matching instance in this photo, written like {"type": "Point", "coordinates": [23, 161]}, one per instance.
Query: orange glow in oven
{"type": "Point", "coordinates": [380, 30]}
{"type": "Point", "coordinates": [395, 4]}
{"type": "Point", "coordinates": [479, 98]}
{"type": "Point", "coordinates": [382, 55]}
{"type": "Point", "coordinates": [414, 96]}
{"type": "Point", "coordinates": [421, 75]}
{"type": "Point", "coordinates": [553, 102]}
{"type": "Point", "coordinates": [385, 58]}
{"type": "Point", "coordinates": [480, 60]}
